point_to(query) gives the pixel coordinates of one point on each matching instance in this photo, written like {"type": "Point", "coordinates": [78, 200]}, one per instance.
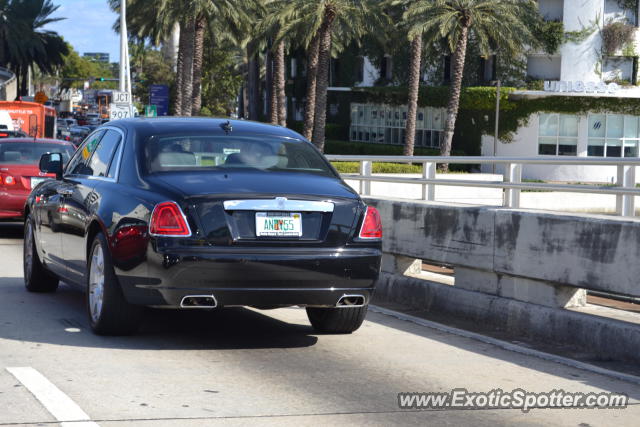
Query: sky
{"type": "Point", "coordinates": [88, 26]}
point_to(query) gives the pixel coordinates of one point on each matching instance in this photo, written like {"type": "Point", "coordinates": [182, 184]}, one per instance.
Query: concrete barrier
{"type": "Point", "coordinates": [525, 271]}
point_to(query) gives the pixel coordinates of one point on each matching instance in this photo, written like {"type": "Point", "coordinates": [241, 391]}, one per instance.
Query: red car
{"type": "Point", "coordinates": [20, 172]}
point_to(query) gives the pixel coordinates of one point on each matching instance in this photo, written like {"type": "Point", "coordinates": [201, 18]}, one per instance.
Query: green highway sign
{"type": "Point", "coordinates": [150, 111]}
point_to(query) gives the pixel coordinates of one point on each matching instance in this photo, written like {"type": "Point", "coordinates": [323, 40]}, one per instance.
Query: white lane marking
{"type": "Point", "coordinates": [505, 345]}
{"type": "Point", "coordinates": [55, 401]}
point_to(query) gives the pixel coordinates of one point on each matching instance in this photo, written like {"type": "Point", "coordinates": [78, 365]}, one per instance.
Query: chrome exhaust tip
{"type": "Point", "coordinates": [351, 301]}
{"type": "Point", "coordinates": [199, 301]}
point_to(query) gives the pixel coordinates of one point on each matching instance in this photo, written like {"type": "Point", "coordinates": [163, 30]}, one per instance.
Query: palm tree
{"type": "Point", "coordinates": [32, 45]}
{"type": "Point", "coordinates": [492, 23]}
{"type": "Point", "coordinates": [227, 20]}
{"type": "Point", "coordinates": [312, 79]}
{"type": "Point", "coordinates": [195, 17]}
{"type": "Point", "coordinates": [414, 80]}
{"type": "Point", "coordinates": [320, 20]}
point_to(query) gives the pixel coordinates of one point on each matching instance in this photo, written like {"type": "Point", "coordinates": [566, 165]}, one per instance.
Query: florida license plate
{"type": "Point", "coordinates": [271, 224]}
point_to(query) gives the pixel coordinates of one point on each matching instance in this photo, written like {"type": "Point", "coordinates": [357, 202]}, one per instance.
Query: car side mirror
{"type": "Point", "coordinates": [51, 163]}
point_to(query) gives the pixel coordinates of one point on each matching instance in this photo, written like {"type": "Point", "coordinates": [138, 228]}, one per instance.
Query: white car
{"type": "Point", "coordinates": [93, 118]}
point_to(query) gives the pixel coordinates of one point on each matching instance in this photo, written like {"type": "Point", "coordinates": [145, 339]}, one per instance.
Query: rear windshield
{"type": "Point", "coordinates": [29, 153]}
{"type": "Point", "coordinates": [266, 153]}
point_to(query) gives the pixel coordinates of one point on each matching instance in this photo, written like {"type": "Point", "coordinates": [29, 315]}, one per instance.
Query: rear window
{"type": "Point", "coordinates": [266, 153]}
{"type": "Point", "coordinates": [29, 153]}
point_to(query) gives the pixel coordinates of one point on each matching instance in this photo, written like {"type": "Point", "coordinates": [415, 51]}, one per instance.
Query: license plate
{"type": "Point", "coordinates": [35, 181]}
{"type": "Point", "coordinates": [279, 224]}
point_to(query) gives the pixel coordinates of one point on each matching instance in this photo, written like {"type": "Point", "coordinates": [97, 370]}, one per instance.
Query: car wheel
{"type": "Point", "coordinates": [36, 277]}
{"type": "Point", "coordinates": [109, 312]}
{"type": "Point", "coordinates": [343, 320]}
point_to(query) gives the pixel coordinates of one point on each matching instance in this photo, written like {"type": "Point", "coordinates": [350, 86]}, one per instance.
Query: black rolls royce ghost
{"type": "Point", "coordinates": [201, 213]}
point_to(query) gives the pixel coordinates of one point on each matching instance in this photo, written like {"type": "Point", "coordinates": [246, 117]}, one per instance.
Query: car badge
{"type": "Point", "coordinates": [281, 201]}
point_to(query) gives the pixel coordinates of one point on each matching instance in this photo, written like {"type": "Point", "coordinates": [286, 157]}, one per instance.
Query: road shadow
{"type": "Point", "coordinates": [53, 318]}
{"type": "Point", "coordinates": [11, 230]}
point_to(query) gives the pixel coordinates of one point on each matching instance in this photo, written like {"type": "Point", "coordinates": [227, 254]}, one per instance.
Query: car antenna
{"type": "Point", "coordinates": [226, 127]}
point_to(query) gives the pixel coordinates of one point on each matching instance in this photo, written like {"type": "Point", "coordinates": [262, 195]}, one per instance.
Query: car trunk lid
{"type": "Point", "coordinates": [228, 206]}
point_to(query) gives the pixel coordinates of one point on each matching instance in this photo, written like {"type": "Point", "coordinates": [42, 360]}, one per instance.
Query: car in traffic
{"type": "Point", "coordinates": [193, 213]}
{"type": "Point", "coordinates": [5, 133]}
{"type": "Point", "coordinates": [93, 119]}
{"type": "Point", "coordinates": [77, 134]}
{"type": "Point", "coordinates": [20, 172]}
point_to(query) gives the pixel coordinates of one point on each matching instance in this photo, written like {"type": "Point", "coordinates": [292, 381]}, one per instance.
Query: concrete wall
{"type": "Point", "coordinates": [585, 251]}
{"type": "Point", "coordinates": [526, 271]}
{"type": "Point", "coordinates": [579, 59]}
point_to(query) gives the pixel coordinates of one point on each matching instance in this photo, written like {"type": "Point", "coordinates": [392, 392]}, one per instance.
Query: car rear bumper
{"type": "Point", "coordinates": [261, 277]}
{"type": "Point", "coordinates": [12, 204]}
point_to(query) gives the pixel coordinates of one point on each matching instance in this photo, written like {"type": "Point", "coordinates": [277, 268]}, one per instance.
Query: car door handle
{"type": "Point", "coordinates": [65, 191]}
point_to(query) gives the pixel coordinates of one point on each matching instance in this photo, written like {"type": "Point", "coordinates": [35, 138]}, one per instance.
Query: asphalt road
{"type": "Point", "coordinates": [245, 367]}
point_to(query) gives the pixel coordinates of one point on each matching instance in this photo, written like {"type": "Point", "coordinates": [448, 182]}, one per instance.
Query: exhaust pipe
{"type": "Point", "coordinates": [351, 301]}
{"type": "Point", "coordinates": [198, 301]}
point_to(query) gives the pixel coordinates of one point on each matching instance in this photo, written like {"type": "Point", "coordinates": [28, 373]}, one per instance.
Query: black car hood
{"type": "Point", "coordinates": [251, 182]}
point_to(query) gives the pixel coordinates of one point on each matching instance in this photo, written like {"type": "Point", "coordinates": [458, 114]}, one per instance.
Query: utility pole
{"type": "Point", "coordinates": [125, 80]}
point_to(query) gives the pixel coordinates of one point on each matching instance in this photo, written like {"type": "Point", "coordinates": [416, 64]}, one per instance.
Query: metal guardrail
{"type": "Point", "coordinates": [624, 188]}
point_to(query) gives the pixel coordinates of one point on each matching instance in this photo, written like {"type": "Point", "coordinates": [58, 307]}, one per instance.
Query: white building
{"type": "Point", "coordinates": [580, 68]}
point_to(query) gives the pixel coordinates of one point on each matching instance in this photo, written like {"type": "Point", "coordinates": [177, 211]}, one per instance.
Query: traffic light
{"type": "Point", "coordinates": [100, 79]}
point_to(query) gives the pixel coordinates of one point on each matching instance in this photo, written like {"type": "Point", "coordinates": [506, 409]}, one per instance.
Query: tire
{"type": "Point", "coordinates": [336, 320]}
{"type": "Point", "coordinates": [36, 276]}
{"type": "Point", "coordinates": [109, 312]}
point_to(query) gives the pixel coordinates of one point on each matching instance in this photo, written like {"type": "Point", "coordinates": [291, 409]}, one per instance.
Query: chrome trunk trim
{"type": "Point", "coordinates": [278, 204]}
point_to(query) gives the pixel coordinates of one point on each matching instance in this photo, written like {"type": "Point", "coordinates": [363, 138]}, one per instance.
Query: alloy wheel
{"type": "Point", "coordinates": [96, 283]}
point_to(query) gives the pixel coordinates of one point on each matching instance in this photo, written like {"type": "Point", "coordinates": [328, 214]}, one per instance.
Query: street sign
{"type": "Point", "coordinates": [150, 111]}
{"type": "Point", "coordinates": [40, 97]}
{"type": "Point", "coordinates": [120, 111]}
{"type": "Point", "coordinates": [159, 96]}
{"type": "Point", "coordinates": [118, 97]}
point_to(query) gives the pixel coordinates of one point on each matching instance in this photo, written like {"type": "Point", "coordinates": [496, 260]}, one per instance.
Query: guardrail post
{"type": "Point", "coordinates": [625, 203]}
{"type": "Point", "coordinates": [365, 170]}
{"type": "Point", "coordinates": [429, 172]}
{"type": "Point", "coordinates": [512, 174]}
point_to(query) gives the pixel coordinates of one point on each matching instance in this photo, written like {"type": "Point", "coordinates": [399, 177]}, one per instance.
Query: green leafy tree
{"type": "Point", "coordinates": [155, 70]}
{"type": "Point", "coordinates": [221, 80]}
{"type": "Point", "coordinates": [24, 43]}
{"type": "Point", "coordinates": [76, 70]}
{"type": "Point", "coordinates": [491, 23]}
{"type": "Point", "coordinates": [196, 17]}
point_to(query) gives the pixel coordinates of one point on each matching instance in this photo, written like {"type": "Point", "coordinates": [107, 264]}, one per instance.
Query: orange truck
{"type": "Point", "coordinates": [36, 120]}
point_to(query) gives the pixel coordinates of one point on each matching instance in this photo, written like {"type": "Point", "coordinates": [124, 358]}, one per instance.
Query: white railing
{"type": "Point", "coordinates": [624, 188]}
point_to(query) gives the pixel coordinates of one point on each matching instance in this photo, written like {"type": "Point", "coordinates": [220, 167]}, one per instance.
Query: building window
{"type": "Point", "coordinates": [551, 10]}
{"type": "Point", "coordinates": [558, 135]}
{"type": "Point", "coordinates": [543, 67]}
{"type": "Point", "coordinates": [613, 135]}
{"type": "Point", "coordinates": [385, 124]}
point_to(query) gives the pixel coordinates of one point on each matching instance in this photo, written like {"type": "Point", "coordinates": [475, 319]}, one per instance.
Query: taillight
{"type": "Point", "coordinates": [8, 180]}
{"type": "Point", "coordinates": [372, 225]}
{"type": "Point", "coordinates": [167, 219]}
